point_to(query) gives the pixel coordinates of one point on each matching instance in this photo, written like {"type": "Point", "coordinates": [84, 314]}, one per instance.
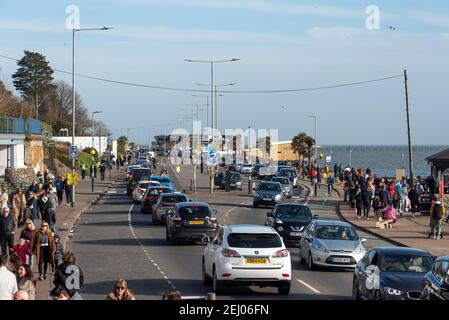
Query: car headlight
{"type": "Point", "coordinates": [278, 221]}
{"type": "Point", "coordinates": [321, 247]}
{"type": "Point", "coordinates": [258, 195]}
{"type": "Point", "coordinates": [278, 197]}
{"type": "Point", "coordinates": [280, 228]}
{"type": "Point", "coordinates": [360, 249]}
{"type": "Point", "coordinates": [238, 183]}
{"type": "Point", "coordinates": [392, 291]}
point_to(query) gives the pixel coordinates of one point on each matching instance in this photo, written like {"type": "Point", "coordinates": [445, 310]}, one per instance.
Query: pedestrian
{"type": "Point", "coordinates": [102, 168]}
{"type": "Point", "coordinates": [396, 202]}
{"type": "Point", "coordinates": [52, 198]}
{"type": "Point", "coordinates": [121, 292]}
{"type": "Point", "coordinates": [384, 196]}
{"type": "Point", "coordinates": [172, 295]}
{"type": "Point", "coordinates": [59, 250]}
{"type": "Point", "coordinates": [22, 250]}
{"type": "Point", "coordinates": [7, 227]}
{"type": "Point", "coordinates": [68, 274]}
{"type": "Point", "coordinates": [26, 281]}
{"type": "Point", "coordinates": [33, 186]}
{"type": "Point", "coordinates": [39, 178]}
{"type": "Point", "coordinates": [319, 176]}
{"type": "Point", "coordinates": [330, 185]}
{"type": "Point", "coordinates": [367, 197]}
{"type": "Point", "coordinates": [47, 212]}
{"type": "Point", "coordinates": [32, 204]}
{"type": "Point", "coordinates": [18, 206]}
{"type": "Point", "coordinates": [60, 293]}
{"type": "Point", "coordinates": [21, 295]}
{"type": "Point", "coordinates": [414, 201]}
{"type": "Point", "coordinates": [28, 233]}
{"type": "Point", "coordinates": [358, 201]}
{"type": "Point", "coordinates": [83, 169]}
{"type": "Point", "coordinates": [389, 213]}
{"type": "Point", "coordinates": [59, 184]}
{"type": "Point", "coordinates": [44, 248]}
{"type": "Point", "coordinates": [402, 199]}
{"type": "Point", "coordinates": [4, 198]}
{"type": "Point", "coordinates": [8, 282]}
{"type": "Point", "coordinates": [437, 212]}
{"type": "Point", "coordinates": [68, 192]}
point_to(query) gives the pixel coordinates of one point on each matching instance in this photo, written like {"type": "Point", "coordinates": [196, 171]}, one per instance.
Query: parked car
{"type": "Point", "coordinates": [287, 187]}
{"type": "Point", "coordinates": [268, 194]}
{"type": "Point", "coordinates": [190, 221]}
{"type": "Point", "coordinates": [141, 188]}
{"type": "Point", "coordinates": [246, 255]}
{"type": "Point", "coordinates": [235, 181]}
{"type": "Point", "coordinates": [246, 168]}
{"type": "Point", "coordinates": [330, 243]}
{"type": "Point", "coordinates": [436, 281]}
{"type": "Point", "coordinates": [391, 273]}
{"type": "Point", "coordinates": [165, 181]}
{"type": "Point", "coordinates": [150, 197]}
{"type": "Point", "coordinates": [165, 203]}
{"type": "Point", "coordinates": [135, 176]}
{"type": "Point", "coordinates": [290, 220]}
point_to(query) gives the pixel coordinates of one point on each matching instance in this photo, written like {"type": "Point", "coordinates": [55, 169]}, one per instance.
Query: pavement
{"type": "Point", "coordinates": [67, 217]}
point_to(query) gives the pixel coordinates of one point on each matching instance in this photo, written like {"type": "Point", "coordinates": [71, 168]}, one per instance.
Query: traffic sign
{"type": "Point", "coordinates": [328, 159]}
{"type": "Point", "coordinates": [73, 152]}
{"type": "Point", "coordinates": [72, 179]}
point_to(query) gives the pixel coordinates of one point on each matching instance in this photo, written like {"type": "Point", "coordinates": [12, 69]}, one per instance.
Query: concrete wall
{"type": "Point", "coordinates": [86, 142]}
{"type": "Point", "coordinates": [34, 153]}
{"type": "Point", "coordinates": [3, 159]}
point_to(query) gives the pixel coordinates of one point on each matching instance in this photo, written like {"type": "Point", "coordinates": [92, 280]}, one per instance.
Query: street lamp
{"type": "Point", "coordinates": [74, 31]}
{"type": "Point", "coordinates": [92, 152]}
{"type": "Point", "coordinates": [212, 62]}
{"type": "Point", "coordinates": [207, 106]}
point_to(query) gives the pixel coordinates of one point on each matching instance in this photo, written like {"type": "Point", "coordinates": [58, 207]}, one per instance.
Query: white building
{"type": "Point", "coordinates": [100, 144]}
{"type": "Point", "coordinates": [12, 151]}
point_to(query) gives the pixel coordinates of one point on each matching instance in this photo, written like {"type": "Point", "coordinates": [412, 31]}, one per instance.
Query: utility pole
{"type": "Point", "coordinates": [409, 133]}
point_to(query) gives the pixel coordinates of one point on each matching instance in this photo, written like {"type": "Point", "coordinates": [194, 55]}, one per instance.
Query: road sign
{"type": "Point", "coordinates": [72, 179]}
{"type": "Point", "coordinates": [73, 152]}
{"type": "Point", "coordinates": [328, 159]}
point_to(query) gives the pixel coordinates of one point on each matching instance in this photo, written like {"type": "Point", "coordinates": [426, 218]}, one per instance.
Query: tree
{"type": "Point", "coordinates": [33, 79]}
{"type": "Point", "coordinates": [121, 142]}
{"type": "Point", "coordinates": [303, 145]}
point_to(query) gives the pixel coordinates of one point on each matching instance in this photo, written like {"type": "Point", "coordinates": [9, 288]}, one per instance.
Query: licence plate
{"type": "Point", "coordinates": [196, 222]}
{"type": "Point", "coordinates": [256, 260]}
{"type": "Point", "coordinates": [266, 199]}
{"type": "Point", "coordinates": [295, 234]}
{"type": "Point", "coordinates": [342, 260]}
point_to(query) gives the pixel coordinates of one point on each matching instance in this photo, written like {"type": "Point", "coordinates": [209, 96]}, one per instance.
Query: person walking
{"type": "Point", "coordinates": [8, 282]}
{"type": "Point", "coordinates": [44, 248]}
{"type": "Point", "coordinates": [367, 197]}
{"type": "Point", "coordinates": [384, 196]}
{"type": "Point", "coordinates": [7, 227]}
{"type": "Point", "coordinates": [402, 199]}
{"type": "Point", "coordinates": [4, 198]}
{"type": "Point", "coordinates": [102, 170]}
{"type": "Point", "coordinates": [22, 250]}
{"type": "Point", "coordinates": [69, 275]}
{"type": "Point", "coordinates": [47, 212]}
{"type": "Point", "coordinates": [18, 206]}
{"type": "Point", "coordinates": [414, 201]}
{"type": "Point", "coordinates": [26, 281]}
{"type": "Point", "coordinates": [32, 204]}
{"type": "Point", "coordinates": [83, 169]}
{"type": "Point", "coordinates": [437, 212]}
{"type": "Point", "coordinates": [59, 184]}
{"type": "Point", "coordinates": [28, 233]}
{"type": "Point", "coordinates": [52, 198]}
{"type": "Point", "coordinates": [68, 192]}
{"type": "Point", "coordinates": [358, 202]}
{"type": "Point", "coordinates": [121, 292]}
{"type": "Point", "coordinates": [330, 185]}
{"type": "Point", "coordinates": [59, 250]}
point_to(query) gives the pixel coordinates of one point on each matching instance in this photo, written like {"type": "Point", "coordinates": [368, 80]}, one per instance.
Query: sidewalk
{"type": "Point", "coordinates": [66, 217]}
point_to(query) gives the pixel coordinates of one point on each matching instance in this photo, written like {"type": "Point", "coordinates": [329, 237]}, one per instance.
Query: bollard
{"type": "Point", "coordinates": [211, 296]}
{"type": "Point", "coordinates": [250, 186]}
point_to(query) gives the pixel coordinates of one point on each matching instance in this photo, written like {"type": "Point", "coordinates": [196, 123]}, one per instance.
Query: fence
{"type": "Point", "coordinates": [20, 126]}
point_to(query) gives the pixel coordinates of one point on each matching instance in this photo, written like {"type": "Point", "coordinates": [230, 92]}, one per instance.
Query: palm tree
{"type": "Point", "coordinates": [310, 143]}
{"type": "Point", "coordinates": [303, 145]}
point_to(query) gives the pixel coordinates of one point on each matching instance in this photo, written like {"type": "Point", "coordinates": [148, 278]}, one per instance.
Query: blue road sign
{"type": "Point", "coordinates": [73, 152]}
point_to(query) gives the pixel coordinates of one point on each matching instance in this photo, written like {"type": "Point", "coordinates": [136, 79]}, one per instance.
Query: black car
{"type": "Point", "coordinates": [135, 176]}
{"type": "Point", "coordinates": [268, 194]}
{"type": "Point", "coordinates": [235, 180]}
{"type": "Point", "coordinates": [151, 196]}
{"type": "Point", "coordinates": [290, 220]}
{"type": "Point", "coordinates": [436, 281]}
{"type": "Point", "coordinates": [190, 221]}
{"type": "Point", "coordinates": [391, 273]}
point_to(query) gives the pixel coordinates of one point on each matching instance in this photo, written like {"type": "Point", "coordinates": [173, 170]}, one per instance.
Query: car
{"type": "Point", "coordinates": [141, 188]}
{"type": "Point", "coordinates": [143, 163]}
{"type": "Point", "coordinates": [190, 221]}
{"type": "Point", "coordinates": [293, 175]}
{"type": "Point", "coordinates": [436, 281]}
{"type": "Point", "coordinates": [290, 220]}
{"type": "Point", "coordinates": [218, 178]}
{"type": "Point", "coordinates": [165, 203]}
{"type": "Point", "coordinates": [135, 176]}
{"type": "Point", "coordinates": [391, 273]}
{"type": "Point", "coordinates": [165, 181]}
{"type": "Point", "coordinates": [235, 181]}
{"type": "Point", "coordinates": [246, 168]}
{"type": "Point", "coordinates": [246, 255]}
{"type": "Point", "coordinates": [330, 243]}
{"type": "Point", "coordinates": [268, 193]}
{"type": "Point", "coordinates": [256, 169]}
{"type": "Point", "coordinates": [150, 197]}
{"type": "Point", "coordinates": [287, 187]}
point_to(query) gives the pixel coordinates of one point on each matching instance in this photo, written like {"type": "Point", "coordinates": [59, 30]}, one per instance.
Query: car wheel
{"type": "Point", "coordinates": [206, 279]}
{"type": "Point", "coordinates": [355, 290]}
{"type": "Point", "coordinates": [284, 290]}
{"type": "Point", "coordinates": [310, 264]}
{"type": "Point", "coordinates": [217, 284]}
{"type": "Point", "coordinates": [173, 241]}
{"type": "Point", "coordinates": [255, 205]}
{"type": "Point", "coordinates": [167, 235]}
{"type": "Point", "coordinates": [301, 259]}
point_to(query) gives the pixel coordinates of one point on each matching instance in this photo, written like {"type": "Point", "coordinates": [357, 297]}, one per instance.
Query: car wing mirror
{"type": "Point", "coordinates": [270, 214]}
{"type": "Point", "coordinates": [316, 217]}
{"type": "Point", "coordinates": [205, 239]}
{"type": "Point", "coordinates": [363, 240]}
{"type": "Point", "coordinates": [215, 212]}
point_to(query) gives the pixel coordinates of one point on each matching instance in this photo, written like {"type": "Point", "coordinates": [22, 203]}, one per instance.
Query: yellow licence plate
{"type": "Point", "coordinates": [196, 222]}
{"type": "Point", "coordinates": [256, 260]}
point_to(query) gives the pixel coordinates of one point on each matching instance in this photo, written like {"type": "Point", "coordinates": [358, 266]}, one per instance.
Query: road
{"type": "Point", "coordinates": [114, 240]}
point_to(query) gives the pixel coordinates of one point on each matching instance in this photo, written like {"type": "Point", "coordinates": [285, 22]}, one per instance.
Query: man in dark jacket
{"type": "Point", "coordinates": [437, 212]}
{"type": "Point", "coordinates": [7, 227]}
{"type": "Point", "coordinates": [68, 274]}
{"type": "Point", "coordinates": [384, 196]}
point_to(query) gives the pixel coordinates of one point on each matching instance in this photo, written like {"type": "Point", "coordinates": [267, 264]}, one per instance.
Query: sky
{"type": "Point", "coordinates": [281, 44]}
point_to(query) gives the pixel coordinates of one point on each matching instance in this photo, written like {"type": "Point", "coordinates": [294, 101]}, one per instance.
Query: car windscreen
{"type": "Point", "coordinates": [139, 173]}
{"type": "Point", "coordinates": [235, 176]}
{"type": "Point", "coordinates": [336, 232]}
{"type": "Point", "coordinates": [194, 211]}
{"type": "Point", "coordinates": [254, 240]}
{"type": "Point", "coordinates": [161, 179]}
{"type": "Point", "coordinates": [269, 187]}
{"type": "Point", "coordinates": [291, 171]}
{"type": "Point", "coordinates": [293, 212]}
{"type": "Point", "coordinates": [281, 180]}
{"type": "Point", "coordinates": [174, 199]}
{"type": "Point", "coordinates": [406, 263]}
{"type": "Point", "coordinates": [144, 185]}
{"type": "Point", "coordinates": [156, 191]}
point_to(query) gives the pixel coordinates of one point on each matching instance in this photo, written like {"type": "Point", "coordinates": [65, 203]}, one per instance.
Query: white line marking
{"type": "Point", "coordinates": [308, 286]}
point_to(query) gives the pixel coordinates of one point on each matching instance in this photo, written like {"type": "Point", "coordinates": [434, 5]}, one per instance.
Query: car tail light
{"type": "Point", "coordinates": [149, 198]}
{"type": "Point", "coordinates": [177, 219]}
{"type": "Point", "coordinates": [161, 205]}
{"type": "Point", "coordinates": [280, 254]}
{"type": "Point", "coordinates": [226, 275]}
{"type": "Point", "coordinates": [230, 253]}
{"type": "Point", "coordinates": [211, 218]}
{"type": "Point", "coordinates": [285, 275]}
{"type": "Point", "coordinates": [140, 190]}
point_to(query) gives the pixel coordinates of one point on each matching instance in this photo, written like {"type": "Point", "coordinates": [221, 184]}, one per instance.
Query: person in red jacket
{"type": "Point", "coordinates": [22, 250]}
{"type": "Point", "coordinates": [391, 189]}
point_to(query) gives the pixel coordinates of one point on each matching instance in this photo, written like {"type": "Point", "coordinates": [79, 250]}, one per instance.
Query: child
{"type": "Point", "coordinates": [22, 250]}
{"type": "Point", "coordinates": [389, 213]}
{"type": "Point", "coordinates": [59, 252]}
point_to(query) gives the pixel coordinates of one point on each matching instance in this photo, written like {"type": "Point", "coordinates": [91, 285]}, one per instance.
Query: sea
{"type": "Point", "coordinates": [382, 159]}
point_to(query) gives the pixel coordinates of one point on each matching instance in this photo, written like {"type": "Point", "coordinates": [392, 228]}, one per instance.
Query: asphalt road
{"type": "Point", "coordinates": [114, 240]}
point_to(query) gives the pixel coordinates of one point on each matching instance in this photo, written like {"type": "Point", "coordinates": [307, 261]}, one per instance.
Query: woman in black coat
{"type": "Point", "coordinates": [367, 196]}
{"type": "Point", "coordinates": [358, 201]}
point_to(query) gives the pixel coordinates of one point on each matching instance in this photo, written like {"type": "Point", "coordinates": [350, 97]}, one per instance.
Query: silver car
{"type": "Point", "coordinates": [328, 243]}
{"type": "Point", "coordinates": [287, 187]}
{"type": "Point", "coordinates": [246, 168]}
{"type": "Point", "coordinates": [165, 203]}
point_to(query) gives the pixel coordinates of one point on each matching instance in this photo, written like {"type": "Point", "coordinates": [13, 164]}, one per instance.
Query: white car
{"type": "Point", "coordinates": [142, 187]}
{"type": "Point", "coordinates": [250, 255]}
{"type": "Point", "coordinates": [331, 243]}
{"type": "Point", "coordinates": [246, 169]}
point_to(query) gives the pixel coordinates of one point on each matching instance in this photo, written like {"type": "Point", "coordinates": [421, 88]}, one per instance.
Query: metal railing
{"type": "Point", "coordinates": [20, 126]}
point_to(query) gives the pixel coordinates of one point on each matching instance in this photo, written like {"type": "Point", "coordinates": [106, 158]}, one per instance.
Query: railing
{"type": "Point", "coordinates": [20, 126]}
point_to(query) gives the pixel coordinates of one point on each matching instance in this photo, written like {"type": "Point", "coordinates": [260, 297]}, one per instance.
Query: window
{"type": "Point", "coordinates": [254, 240]}
{"type": "Point", "coordinates": [293, 212]}
{"type": "Point", "coordinates": [336, 232]}
{"type": "Point", "coordinates": [219, 237]}
{"type": "Point", "coordinates": [174, 199]}
{"type": "Point", "coordinates": [441, 271]}
{"type": "Point", "coordinates": [193, 211]}
{"type": "Point", "coordinates": [269, 187]}
{"type": "Point", "coordinates": [406, 263]}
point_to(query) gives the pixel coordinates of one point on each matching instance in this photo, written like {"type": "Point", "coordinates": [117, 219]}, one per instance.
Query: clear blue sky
{"type": "Point", "coordinates": [282, 44]}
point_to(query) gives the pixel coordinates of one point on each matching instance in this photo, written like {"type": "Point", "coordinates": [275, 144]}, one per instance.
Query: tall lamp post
{"type": "Point", "coordinates": [74, 31]}
{"type": "Point", "coordinates": [207, 106]}
{"type": "Point", "coordinates": [316, 137]}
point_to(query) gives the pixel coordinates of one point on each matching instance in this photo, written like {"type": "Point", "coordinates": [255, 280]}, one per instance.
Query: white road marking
{"type": "Point", "coordinates": [308, 286]}
{"type": "Point", "coordinates": [112, 191]}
